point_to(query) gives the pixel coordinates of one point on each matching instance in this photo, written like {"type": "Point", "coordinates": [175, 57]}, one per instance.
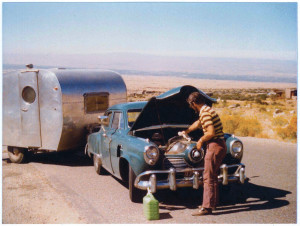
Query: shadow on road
{"type": "Point", "coordinates": [251, 197]}
{"type": "Point", "coordinates": [68, 158]}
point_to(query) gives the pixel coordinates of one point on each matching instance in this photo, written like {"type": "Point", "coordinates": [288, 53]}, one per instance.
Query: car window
{"type": "Point", "coordinates": [121, 124]}
{"type": "Point", "coordinates": [109, 114]}
{"type": "Point", "coordinates": [118, 121]}
{"type": "Point", "coordinates": [132, 116]}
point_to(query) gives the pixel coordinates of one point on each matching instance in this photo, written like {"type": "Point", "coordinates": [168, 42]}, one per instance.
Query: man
{"type": "Point", "coordinates": [213, 140]}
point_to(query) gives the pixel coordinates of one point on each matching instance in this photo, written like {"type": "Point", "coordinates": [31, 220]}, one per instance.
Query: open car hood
{"type": "Point", "coordinates": [171, 108]}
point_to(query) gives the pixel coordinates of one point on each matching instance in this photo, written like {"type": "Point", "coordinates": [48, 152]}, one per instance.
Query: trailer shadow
{"type": "Point", "coordinates": [74, 158]}
{"type": "Point", "coordinates": [254, 197]}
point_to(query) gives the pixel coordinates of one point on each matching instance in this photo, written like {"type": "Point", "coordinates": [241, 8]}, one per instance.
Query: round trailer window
{"type": "Point", "coordinates": [28, 94]}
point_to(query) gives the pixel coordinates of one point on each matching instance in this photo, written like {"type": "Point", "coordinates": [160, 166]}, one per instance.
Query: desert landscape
{"type": "Point", "coordinates": [255, 109]}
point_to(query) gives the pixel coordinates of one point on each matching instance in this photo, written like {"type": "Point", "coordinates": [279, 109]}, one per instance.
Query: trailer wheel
{"type": "Point", "coordinates": [98, 165]}
{"type": "Point", "coordinates": [16, 155]}
{"type": "Point", "coordinates": [135, 194]}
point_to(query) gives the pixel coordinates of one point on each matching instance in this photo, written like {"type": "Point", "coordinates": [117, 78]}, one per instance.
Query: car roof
{"type": "Point", "coordinates": [129, 105]}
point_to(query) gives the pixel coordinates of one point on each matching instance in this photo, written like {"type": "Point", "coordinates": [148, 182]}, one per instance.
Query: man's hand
{"type": "Point", "coordinates": [199, 144]}
{"type": "Point", "coordinates": [184, 134]}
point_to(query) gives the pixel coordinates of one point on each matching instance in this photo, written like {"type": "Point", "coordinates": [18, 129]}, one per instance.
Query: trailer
{"type": "Point", "coordinates": [54, 109]}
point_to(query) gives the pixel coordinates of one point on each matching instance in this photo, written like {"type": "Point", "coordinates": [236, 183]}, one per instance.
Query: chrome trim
{"type": "Point", "coordinates": [172, 179]}
{"type": "Point", "coordinates": [153, 183]}
{"type": "Point", "coordinates": [196, 180]}
{"type": "Point", "coordinates": [193, 181]}
{"type": "Point", "coordinates": [147, 159]}
{"type": "Point", "coordinates": [242, 175]}
{"type": "Point", "coordinates": [224, 174]}
{"type": "Point", "coordinates": [201, 152]}
{"type": "Point", "coordinates": [233, 153]}
{"type": "Point", "coordinates": [177, 162]}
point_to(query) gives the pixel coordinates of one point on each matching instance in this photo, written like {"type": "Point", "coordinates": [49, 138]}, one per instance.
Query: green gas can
{"type": "Point", "coordinates": [150, 206]}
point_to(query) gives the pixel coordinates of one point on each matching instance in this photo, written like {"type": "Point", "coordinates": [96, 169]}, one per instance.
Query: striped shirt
{"type": "Point", "coordinates": [207, 117]}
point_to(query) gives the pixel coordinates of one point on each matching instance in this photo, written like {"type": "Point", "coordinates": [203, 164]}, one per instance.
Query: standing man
{"type": "Point", "coordinates": [213, 140]}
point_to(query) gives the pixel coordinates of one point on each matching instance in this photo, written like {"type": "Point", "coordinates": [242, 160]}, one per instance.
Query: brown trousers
{"type": "Point", "coordinates": [215, 153]}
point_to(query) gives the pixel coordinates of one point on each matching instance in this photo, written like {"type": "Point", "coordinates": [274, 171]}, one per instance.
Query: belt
{"type": "Point", "coordinates": [217, 138]}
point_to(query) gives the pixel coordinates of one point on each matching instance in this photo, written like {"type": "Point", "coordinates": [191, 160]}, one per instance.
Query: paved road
{"type": "Point", "coordinates": [271, 194]}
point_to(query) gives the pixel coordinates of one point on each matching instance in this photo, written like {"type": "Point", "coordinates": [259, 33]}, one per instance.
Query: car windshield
{"type": "Point", "coordinates": [132, 116]}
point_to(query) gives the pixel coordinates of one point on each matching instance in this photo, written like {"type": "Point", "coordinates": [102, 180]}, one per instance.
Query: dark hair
{"type": "Point", "coordinates": [196, 98]}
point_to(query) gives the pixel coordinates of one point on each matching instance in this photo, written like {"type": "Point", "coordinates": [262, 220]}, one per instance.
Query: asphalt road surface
{"type": "Point", "coordinates": [270, 195]}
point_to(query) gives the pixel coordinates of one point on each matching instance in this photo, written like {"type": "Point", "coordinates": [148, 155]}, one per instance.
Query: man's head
{"type": "Point", "coordinates": [195, 100]}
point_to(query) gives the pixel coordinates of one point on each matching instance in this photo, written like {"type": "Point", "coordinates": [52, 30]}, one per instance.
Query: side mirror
{"type": "Point", "coordinates": [104, 120]}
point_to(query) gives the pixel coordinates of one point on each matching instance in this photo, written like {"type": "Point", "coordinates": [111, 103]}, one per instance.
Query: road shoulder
{"type": "Point", "coordinates": [28, 197]}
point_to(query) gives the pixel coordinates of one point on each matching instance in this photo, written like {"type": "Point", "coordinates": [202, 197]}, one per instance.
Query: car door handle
{"type": "Point", "coordinates": [104, 134]}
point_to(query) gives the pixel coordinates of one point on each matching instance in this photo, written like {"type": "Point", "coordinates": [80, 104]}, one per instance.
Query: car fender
{"type": "Point", "coordinates": [93, 142]}
{"type": "Point", "coordinates": [229, 138]}
{"type": "Point", "coordinates": [133, 152]}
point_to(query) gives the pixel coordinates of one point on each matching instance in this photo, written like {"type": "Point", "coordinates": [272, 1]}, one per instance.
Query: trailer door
{"type": "Point", "coordinates": [29, 108]}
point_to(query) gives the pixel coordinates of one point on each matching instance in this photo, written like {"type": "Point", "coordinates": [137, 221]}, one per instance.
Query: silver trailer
{"type": "Point", "coordinates": [53, 109]}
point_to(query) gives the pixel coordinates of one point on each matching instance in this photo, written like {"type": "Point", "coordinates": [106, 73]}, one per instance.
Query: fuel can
{"type": "Point", "coordinates": [150, 206]}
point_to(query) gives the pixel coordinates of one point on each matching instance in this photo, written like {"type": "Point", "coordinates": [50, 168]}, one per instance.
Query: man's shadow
{"type": "Point", "coordinates": [233, 198]}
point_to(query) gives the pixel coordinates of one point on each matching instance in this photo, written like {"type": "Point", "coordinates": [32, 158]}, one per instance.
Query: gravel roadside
{"type": "Point", "coordinates": [28, 197]}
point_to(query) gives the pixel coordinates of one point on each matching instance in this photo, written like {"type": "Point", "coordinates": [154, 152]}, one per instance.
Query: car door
{"type": "Point", "coordinates": [106, 132]}
{"type": "Point", "coordinates": [115, 145]}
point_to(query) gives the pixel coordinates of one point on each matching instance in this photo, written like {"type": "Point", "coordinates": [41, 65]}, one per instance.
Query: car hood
{"type": "Point", "coordinates": [170, 107]}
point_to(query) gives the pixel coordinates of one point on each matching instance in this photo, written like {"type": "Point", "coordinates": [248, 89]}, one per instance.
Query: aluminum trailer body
{"type": "Point", "coordinates": [52, 109]}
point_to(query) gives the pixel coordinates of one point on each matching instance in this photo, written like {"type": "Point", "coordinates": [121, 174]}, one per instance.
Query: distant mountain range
{"type": "Point", "coordinates": [259, 70]}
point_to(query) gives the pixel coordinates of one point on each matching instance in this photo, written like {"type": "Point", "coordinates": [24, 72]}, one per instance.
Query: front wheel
{"type": "Point", "coordinates": [135, 195]}
{"type": "Point", "coordinates": [16, 154]}
{"type": "Point", "coordinates": [98, 164]}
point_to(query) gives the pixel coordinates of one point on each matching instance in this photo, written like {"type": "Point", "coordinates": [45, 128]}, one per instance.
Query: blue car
{"type": "Point", "coordinates": [138, 142]}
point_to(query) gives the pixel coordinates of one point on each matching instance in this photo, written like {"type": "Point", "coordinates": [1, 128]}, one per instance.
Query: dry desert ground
{"type": "Point", "coordinates": [137, 83]}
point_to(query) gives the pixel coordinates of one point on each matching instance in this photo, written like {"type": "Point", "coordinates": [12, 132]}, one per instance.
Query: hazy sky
{"type": "Point", "coordinates": [256, 30]}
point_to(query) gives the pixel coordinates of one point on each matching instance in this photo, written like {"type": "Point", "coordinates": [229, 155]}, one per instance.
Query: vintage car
{"type": "Point", "coordinates": [139, 143]}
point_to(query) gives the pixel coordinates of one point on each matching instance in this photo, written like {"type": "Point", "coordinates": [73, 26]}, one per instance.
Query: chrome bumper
{"type": "Point", "coordinates": [192, 181]}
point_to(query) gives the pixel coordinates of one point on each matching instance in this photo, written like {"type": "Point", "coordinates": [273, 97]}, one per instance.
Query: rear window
{"type": "Point", "coordinates": [95, 102]}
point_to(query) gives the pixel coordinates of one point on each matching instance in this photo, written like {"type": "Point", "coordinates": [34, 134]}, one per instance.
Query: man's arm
{"type": "Point", "coordinates": [193, 127]}
{"type": "Point", "coordinates": [207, 136]}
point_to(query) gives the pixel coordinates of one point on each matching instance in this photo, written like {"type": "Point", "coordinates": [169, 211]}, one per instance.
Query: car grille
{"type": "Point", "coordinates": [177, 163]}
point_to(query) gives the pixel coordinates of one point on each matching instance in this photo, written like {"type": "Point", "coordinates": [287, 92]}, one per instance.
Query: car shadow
{"type": "Point", "coordinates": [250, 197]}
{"type": "Point", "coordinates": [72, 158]}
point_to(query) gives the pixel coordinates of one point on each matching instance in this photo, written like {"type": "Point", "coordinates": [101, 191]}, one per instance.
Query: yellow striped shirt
{"type": "Point", "coordinates": [207, 117]}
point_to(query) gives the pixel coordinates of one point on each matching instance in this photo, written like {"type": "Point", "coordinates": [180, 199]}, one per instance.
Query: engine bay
{"type": "Point", "coordinates": [167, 139]}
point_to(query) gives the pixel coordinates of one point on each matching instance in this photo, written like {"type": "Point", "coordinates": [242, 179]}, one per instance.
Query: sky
{"type": "Point", "coordinates": [239, 30]}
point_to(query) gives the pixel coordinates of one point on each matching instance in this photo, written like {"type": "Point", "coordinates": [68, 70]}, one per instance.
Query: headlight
{"type": "Point", "coordinates": [196, 155]}
{"type": "Point", "coordinates": [176, 148]}
{"type": "Point", "coordinates": [151, 155]}
{"type": "Point", "coordinates": [236, 149]}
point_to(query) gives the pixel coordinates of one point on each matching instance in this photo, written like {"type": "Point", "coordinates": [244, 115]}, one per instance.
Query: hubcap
{"type": "Point", "coordinates": [16, 151]}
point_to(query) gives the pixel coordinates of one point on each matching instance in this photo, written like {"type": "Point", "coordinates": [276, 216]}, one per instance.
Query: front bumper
{"type": "Point", "coordinates": [191, 181]}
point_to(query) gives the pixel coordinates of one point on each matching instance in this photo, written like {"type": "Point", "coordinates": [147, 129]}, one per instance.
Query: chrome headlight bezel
{"type": "Point", "coordinates": [193, 153]}
{"type": "Point", "coordinates": [236, 149]}
{"type": "Point", "coordinates": [151, 154]}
